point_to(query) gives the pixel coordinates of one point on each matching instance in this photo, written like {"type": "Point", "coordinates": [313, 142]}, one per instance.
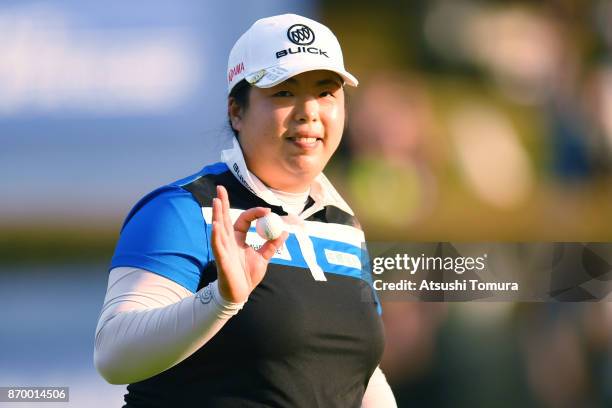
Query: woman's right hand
{"type": "Point", "coordinates": [240, 268]}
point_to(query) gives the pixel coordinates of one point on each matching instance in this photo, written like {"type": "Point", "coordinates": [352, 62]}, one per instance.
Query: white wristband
{"type": "Point", "coordinates": [211, 292]}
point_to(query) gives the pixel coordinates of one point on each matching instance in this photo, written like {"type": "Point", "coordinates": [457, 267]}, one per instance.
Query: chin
{"type": "Point", "coordinates": [303, 176]}
{"type": "Point", "coordinates": [309, 171]}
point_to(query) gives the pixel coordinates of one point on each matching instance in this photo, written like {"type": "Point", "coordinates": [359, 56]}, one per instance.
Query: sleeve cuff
{"type": "Point", "coordinates": [211, 293]}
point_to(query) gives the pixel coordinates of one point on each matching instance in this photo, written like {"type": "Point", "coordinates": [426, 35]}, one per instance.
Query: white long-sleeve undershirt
{"type": "Point", "coordinates": [150, 323]}
{"type": "Point", "coordinates": [378, 393]}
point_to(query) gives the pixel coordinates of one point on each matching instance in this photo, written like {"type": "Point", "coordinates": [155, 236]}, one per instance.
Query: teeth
{"type": "Point", "coordinates": [306, 139]}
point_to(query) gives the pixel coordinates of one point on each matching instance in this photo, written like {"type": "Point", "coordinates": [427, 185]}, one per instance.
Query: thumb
{"type": "Point", "coordinates": [268, 249]}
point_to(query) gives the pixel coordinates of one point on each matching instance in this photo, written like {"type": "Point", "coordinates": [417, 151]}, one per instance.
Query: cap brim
{"type": "Point", "coordinates": [277, 74]}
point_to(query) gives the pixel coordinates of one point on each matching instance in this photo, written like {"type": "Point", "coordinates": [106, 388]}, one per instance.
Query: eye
{"type": "Point", "coordinates": [283, 94]}
{"type": "Point", "coordinates": [326, 93]}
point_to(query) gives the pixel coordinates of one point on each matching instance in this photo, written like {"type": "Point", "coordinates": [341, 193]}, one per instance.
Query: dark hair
{"type": "Point", "coordinates": [240, 92]}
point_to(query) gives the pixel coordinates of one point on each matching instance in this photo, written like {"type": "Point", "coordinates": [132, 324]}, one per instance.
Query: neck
{"type": "Point", "coordinates": [293, 203]}
{"type": "Point", "coordinates": [286, 187]}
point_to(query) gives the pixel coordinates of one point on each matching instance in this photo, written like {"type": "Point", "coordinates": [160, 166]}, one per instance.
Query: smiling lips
{"type": "Point", "coordinates": [307, 142]}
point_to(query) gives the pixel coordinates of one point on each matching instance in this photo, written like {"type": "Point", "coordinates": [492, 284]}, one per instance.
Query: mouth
{"type": "Point", "coordinates": [306, 142]}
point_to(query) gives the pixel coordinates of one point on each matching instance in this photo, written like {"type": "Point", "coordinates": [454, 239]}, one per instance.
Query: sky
{"type": "Point", "coordinates": [102, 102]}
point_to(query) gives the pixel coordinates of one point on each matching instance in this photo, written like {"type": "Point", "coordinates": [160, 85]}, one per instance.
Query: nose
{"type": "Point", "coordinates": [307, 110]}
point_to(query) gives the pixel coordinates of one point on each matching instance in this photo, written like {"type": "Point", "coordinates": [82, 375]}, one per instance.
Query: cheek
{"type": "Point", "coordinates": [336, 114]}
{"type": "Point", "coordinates": [280, 120]}
{"type": "Point", "coordinates": [335, 121]}
{"type": "Point", "coordinates": [270, 121]}
{"type": "Point", "coordinates": [263, 125]}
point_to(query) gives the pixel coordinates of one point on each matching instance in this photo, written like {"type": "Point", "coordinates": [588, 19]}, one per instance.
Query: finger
{"type": "Point", "coordinates": [268, 249]}
{"type": "Point", "coordinates": [220, 235]}
{"type": "Point", "coordinates": [218, 225]}
{"type": "Point", "coordinates": [221, 259]}
{"type": "Point", "coordinates": [216, 211]}
{"type": "Point", "coordinates": [216, 239]}
{"type": "Point", "coordinates": [243, 223]}
{"type": "Point", "coordinates": [217, 244]}
{"type": "Point", "coordinates": [227, 221]}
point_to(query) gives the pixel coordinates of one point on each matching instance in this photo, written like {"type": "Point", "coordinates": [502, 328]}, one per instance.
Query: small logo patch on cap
{"type": "Point", "coordinates": [256, 77]}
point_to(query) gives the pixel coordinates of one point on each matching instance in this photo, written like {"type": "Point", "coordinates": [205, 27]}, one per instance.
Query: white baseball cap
{"type": "Point", "coordinates": [276, 48]}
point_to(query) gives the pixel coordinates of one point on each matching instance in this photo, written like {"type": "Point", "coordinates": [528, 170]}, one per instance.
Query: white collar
{"type": "Point", "coordinates": [321, 189]}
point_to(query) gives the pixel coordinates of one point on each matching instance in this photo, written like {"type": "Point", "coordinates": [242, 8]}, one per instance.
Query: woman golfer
{"type": "Point", "coordinates": [202, 311]}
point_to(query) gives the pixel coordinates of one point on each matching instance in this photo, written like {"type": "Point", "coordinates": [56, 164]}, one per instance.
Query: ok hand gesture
{"type": "Point", "coordinates": [240, 268]}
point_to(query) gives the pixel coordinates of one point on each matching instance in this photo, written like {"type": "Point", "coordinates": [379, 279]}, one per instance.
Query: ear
{"type": "Point", "coordinates": [234, 111]}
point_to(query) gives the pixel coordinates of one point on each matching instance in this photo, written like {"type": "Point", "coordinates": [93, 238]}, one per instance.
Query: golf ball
{"type": "Point", "coordinates": [270, 227]}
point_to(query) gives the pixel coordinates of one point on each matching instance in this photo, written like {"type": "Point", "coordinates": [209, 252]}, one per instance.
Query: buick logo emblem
{"type": "Point", "coordinates": [300, 34]}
